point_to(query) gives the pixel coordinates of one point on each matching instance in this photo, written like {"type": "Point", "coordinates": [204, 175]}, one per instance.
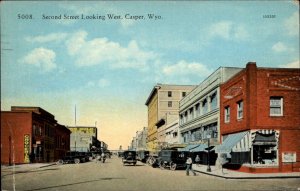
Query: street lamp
{"type": "Point", "coordinates": [208, 166]}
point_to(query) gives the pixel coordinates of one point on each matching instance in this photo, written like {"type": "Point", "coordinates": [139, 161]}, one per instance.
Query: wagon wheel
{"type": "Point", "coordinates": [173, 166]}
{"type": "Point", "coordinates": [162, 165]}
{"type": "Point", "coordinates": [76, 161]}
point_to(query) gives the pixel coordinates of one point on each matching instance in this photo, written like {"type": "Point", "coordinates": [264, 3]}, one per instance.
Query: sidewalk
{"type": "Point", "coordinates": [25, 167]}
{"type": "Point", "coordinates": [230, 174]}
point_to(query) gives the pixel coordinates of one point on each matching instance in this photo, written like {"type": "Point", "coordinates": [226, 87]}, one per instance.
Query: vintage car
{"type": "Point", "coordinates": [72, 157]}
{"type": "Point", "coordinates": [171, 158]}
{"type": "Point", "coordinates": [129, 157]}
{"type": "Point", "coordinates": [142, 155]}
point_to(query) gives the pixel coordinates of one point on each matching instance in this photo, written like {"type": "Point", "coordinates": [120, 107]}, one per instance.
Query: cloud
{"type": "Point", "coordinates": [103, 51]}
{"type": "Point", "coordinates": [292, 24]}
{"type": "Point", "coordinates": [279, 47]}
{"type": "Point", "coordinates": [53, 37]}
{"type": "Point", "coordinates": [103, 83]}
{"type": "Point", "coordinates": [183, 68]}
{"type": "Point", "coordinates": [42, 58]}
{"type": "Point", "coordinates": [295, 64]}
{"type": "Point", "coordinates": [227, 30]}
{"type": "Point", "coordinates": [125, 23]}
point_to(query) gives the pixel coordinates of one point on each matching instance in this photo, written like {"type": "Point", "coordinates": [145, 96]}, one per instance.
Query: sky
{"type": "Point", "coordinates": [105, 57]}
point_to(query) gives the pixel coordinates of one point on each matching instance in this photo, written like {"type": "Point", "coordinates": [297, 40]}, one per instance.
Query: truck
{"type": "Point", "coordinates": [72, 157]}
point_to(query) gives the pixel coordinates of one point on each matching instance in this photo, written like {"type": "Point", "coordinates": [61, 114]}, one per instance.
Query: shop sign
{"type": "Point", "coordinates": [289, 157]}
{"type": "Point", "coordinates": [26, 148]}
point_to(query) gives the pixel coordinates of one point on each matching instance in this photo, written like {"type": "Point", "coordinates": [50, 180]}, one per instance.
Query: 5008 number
{"type": "Point", "coordinates": [25, 16]}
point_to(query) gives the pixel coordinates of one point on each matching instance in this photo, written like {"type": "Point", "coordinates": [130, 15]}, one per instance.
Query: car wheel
{"type": "Point", "coordinates": [134, 163]}
{"type": "Point", "coordinates": [162, 165]}
{"type": "Point", "coordinates": [173, 166]}
{"type": "Point", "coordinates": [76, 161]}
{"type": "Point", "coordinates": [59, 162]}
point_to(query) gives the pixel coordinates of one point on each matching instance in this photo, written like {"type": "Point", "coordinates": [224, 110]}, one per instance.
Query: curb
{"type": "Point", "coordinates": [247, 177]}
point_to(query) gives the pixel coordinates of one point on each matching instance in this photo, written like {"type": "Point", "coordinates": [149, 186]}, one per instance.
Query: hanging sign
{"type": "Point", "coordinates": [26, 148]}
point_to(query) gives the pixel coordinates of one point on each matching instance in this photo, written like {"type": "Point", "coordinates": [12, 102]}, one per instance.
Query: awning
{"type": "Point", "coordinates": [160, 123]}
{"type": "Point", "coordinates": [188, 148]}
{"type": "Point", "coordinates": [230, 142]}
{"type": "Point", "coordinates": [199, 148]}
{"type": "Point", "coordinates": [265, 138]}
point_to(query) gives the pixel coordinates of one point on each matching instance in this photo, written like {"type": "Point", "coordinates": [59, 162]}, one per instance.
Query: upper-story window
{"type": "Point", "coordinates": [276, 106]}
{"type": "Point", "coordinates": [240, 109]}
{"type": "Point", "coordinates": [169, 94]}
{"type": "Point", "coordinates": [183, 94]}
{"type": "Point", "coordinates": [204, 106]}
{"type": "Point", "coordinates": [213, 101]}
{"type": "Point", "coordinates": [169, 104]}
{"type": "Point", "coordinates": [181, 119]}
{"type": "Point", "coordinates": [197, 109]}
{"type": "Point", "coordinates": [191, 113]}
{"type": "Point", "coordinates": [227, 114]}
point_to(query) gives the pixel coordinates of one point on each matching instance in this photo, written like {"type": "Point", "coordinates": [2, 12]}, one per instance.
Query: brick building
{"type": "Point", "coordinates": [259, 120]}
{"type": "Point", "coordinates": [31, 134]}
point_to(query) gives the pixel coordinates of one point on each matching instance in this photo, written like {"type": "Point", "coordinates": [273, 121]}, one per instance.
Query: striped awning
{"type": "Point", "coordinates": [230, 142]}
{"type": "Point", "coordinates": [189, 147]}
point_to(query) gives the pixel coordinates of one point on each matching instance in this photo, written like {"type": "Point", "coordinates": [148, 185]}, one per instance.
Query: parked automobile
{"type": "Point", "coordinates": [172, 159]}
{"type": "Point", "coordinates": [87, 156]}
{"type": "Point", "coordinates": [142, 155]}
{"type": "Point", "coordinates": [72, 157]}
{"type": "Point", "coordinates": [129, 157]}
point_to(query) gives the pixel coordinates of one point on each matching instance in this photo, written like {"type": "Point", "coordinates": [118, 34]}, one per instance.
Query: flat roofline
{"type": "Point", "coordinates": [158, 86]}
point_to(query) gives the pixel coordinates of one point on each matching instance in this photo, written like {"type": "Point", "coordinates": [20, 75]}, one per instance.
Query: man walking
{"type": "Point", "coordinates": [189, 168]}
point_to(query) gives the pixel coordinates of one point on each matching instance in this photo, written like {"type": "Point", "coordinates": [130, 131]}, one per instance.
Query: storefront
{"type": "Point", "coordinates": [251, 149]}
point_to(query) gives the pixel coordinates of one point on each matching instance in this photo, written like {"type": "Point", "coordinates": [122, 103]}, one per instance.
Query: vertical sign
{"type": "Point", "coordinates": [26, 148]}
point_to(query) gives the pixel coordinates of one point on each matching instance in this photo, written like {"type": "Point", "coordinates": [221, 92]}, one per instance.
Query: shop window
{"type": "Point", "coordinates": [227, 114]}
{"type": "Point", "coordinates": [265, 154]}
{"type": "Point", "coordinates": [240, 110]}
{"type": "Point", "coordinates": [265, 149]}
{"type": "Point", "coordinates": [276, 106]}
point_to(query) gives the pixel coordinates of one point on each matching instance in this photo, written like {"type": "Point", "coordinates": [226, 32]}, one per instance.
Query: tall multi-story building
{"type": "Point", "coordinates": [83, 138]}
{"type": "Point", "coordinates": [141, 139]}
{"type": "Point", "coordinates": [199, 110]}
{"type": "Point", "coordinates": [260, 120]}
{"type": "Point", "coordinates": [163, 104]}
{"type": "Point", "coordinates": [31, 134]}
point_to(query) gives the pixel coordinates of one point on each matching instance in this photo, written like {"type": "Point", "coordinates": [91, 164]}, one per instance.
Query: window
{"type": "Point", "coordinates": [240, 110]}
{"type": "Point", "coordinates": [197, 108]}
{"type": "Point", "coordinates": [169, 94]}
{"type": "Point", "coordinates": [227, 114]}
{"type": "Point", "coordinates": [191, 113]}
{"type": "Point", "coordinates": [213, 101]}
{"type": "Point", "coordinates": [276, 105]}
{"type": "Point", "coordinates": [183, 94]}
{"type": "Point", "coordinates": [204, 106]}
{"type": "Point", "coordinates": [181, 119]}
{"type": "Point", "coordinates": [169, 104]}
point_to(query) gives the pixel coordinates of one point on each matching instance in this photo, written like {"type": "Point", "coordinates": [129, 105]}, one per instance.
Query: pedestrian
{"type": "Point", "coordinates": [189, 168]}
{"type": "Point", "coordinates": [197, 160]}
